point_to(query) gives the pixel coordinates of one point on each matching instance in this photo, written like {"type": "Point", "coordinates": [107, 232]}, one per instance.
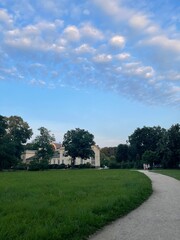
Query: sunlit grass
{"type": "Point", "coordinates": [170, 172]}
{"type": "Point", "coordinates": [66, 204]}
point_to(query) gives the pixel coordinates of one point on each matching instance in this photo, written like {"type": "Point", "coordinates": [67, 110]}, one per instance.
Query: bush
{"type": "Point", "coordinates": [21, 166]}
{"type": "Point", "coordinates": [43, 165]}
{"type": "Point", "coordinates": [114, 165]}
{"type": "Point", "coordinates": [53, 166]}
{"type": "Point", "coordinates": [57, 166]}
{"type": "Point", "coordinates": [35, 165]}
{"type": "Point", "coordinates": [85, 165]}
{"type": "Point", "coordinates": [62, 166]}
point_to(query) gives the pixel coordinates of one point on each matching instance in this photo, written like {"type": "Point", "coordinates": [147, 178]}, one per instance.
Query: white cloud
{"type": "Point", "coordinates": [49, 26]}
{"type": "Point", "coordinates": [163, 42]}
{"type": "Point", "coordinates": [38, 65]}
{"type": "Point", "coordinates": [117, 41]}
{"type": "Point", "coordinates": [114, 8]}
{"type": "Point", "coordinates": [12, 33]}
{"type": "Point", "coordinates": [175, 89]}
{"type": "Point", "coordinates": [85, 48]}
{"type": "Point", "coordinates": [137, 69]}
{"type": "Point", "coordinates": [5, 18]}
{"type": "Point", "coordinates": [43, 27]}
{"type": "Point", "coordinates": [68, 50]}
{"type": "Point", "coordinates": [102, 58]}
{"type": "Point", "coordinates": [146, 72]}
{"type": "Point", "coordinates": [52, 7]}
{"type": "Point", "coordinates": [41, 36]}
{"type": "Point", "coordinates": [139, 21]}
{"type": "Point", "coordinates": [38, 82]}
{"type": "Point", "coordinates": [173, 76]}
{"type": "Point", "coordinates": [17, 40]}
{"type": "Point", "coordinates": [10, 71]}
{"type": "Point", "coordinates": [152, 29]}
{"type": "Point", "coordinates": [71, 33]}
{"type": "Point", "coordinates": [56, 48]}
{"type": "Point", "coordinates": [123, 56]}
{"type": "Point", "coordinates": [132, 65]}
{"type": "Point", "coordinates": [89, 31]}
{"type": "Point", "coordinates": [110, 6]}
{"type": "Point", "coordinates": [176, 77]}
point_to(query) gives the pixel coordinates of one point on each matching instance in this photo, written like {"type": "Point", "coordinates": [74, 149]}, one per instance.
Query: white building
{"type": "Point", "coordinates": [60, 157]}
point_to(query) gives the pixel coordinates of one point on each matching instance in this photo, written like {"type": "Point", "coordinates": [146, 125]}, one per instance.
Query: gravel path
{"type": "Point", "coordinates": [156, 219]}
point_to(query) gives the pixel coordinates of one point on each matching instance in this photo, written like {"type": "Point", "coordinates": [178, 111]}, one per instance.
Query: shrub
{"type": "Point", "coordinates": [21, 166]}
{"type": "Point", "coordinates": [35, 165]}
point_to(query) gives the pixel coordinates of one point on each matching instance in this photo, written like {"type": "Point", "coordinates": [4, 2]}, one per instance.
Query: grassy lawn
{"type": "Point", "coordinates": [170, 172]}
{"type": "Point", "coordinates": [66, 204]}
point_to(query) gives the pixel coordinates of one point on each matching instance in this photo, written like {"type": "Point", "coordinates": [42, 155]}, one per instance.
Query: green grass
{"type": "Point", "coordinates": [169, 172]}
{"type": "Point", "coordinates": [66, 205]}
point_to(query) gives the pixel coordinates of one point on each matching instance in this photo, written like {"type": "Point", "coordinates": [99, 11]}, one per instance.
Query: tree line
{"type": "Point", "coordinates": [151, 145]}
{"type": "Point", "coordinates": [155, 146]}
{"type": "Point", "coordinates": [15, 132]}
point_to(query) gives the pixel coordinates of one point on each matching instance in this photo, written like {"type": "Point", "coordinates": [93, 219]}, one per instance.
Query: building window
{"type": "Point", "coordinates": [58, 161]}
{"type": "Point", "coordinates": [63, 161]}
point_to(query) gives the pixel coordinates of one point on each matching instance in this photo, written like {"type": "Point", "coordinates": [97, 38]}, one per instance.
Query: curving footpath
{"type": "Point", "coordinates": [156, 219]}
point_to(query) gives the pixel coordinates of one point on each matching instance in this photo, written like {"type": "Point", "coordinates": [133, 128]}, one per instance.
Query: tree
{"type": "Point", "coordinates": [3, 147]}
{"type": "Point", "coordinates": [174, 145]}
{"type": "Point", "coordinates": [107, 156]}
{"type": "Point", "coordinates": [109, 151]}
{"type": "Point", "coordinates": [122, 153]}
{"type": "Point", "coordinates": [43, 144]}
{"type": "Point", "coordinates": [3, 126]}
{"type": "Point", "coordinates": [14, 132]}
{"type": "Point", "coordinates": [30, 146]}
{"type": "Point", "coordinates": [143, 139]}
{"type": "Point", "coordinates": [104, 160]}
{"type": "Point", "coordinates": [168, 148]}
{"type": "Point", "coordinates": [78, 143]}
{"type": "Point", "coordinates": [18, 133]}
{"type": "Point", "coordinates": [18, 130]}
{"type": "Point", "coordinates": [163, 152]}
{"type": "Point", "coordinates": [149, 157]}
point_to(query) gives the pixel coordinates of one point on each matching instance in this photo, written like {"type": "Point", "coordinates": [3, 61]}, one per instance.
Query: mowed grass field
{"type": "Point", "coordinates": [170, 172]}
{"type": "Point", "coordinates": [66, 204]}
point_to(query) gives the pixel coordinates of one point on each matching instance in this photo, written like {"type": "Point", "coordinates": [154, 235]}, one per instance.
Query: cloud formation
{"type": "Point", "coordinates": [110, 44]}
{"type": "Point", "coordinates": [117, 41]}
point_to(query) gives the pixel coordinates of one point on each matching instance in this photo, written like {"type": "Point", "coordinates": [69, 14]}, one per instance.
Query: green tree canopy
{"type": "Point", "coordinates": [174, 145]}
{"type": "Point", "coordinates": [18, 130]}
{"type": "Point", "coordinates": [14, 132]}
{"type": "Point", "coordinates": [122, 153]}
{"type": "Point", "coordinates": [145, 138]}
{"type": "Point", "coordinates": [3, 126]}
{"type": "Point", "coordinates": [149, 157]}
{"type": "Point", "coordinates": [43, 144]}
{"type": "Point", "coordinates": [78, 143]}
{"type": "Point", "coordinates": [109, 151]}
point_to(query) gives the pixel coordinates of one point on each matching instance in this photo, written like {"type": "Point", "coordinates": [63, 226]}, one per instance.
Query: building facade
{"type": "Point", "coordinates": [60, 157]}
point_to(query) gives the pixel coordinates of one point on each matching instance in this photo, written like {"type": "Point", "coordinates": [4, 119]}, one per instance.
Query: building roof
{"type": "Point", "coordinates": [56, 145]}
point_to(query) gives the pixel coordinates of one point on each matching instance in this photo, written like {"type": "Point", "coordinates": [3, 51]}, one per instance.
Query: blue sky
{"type": "Point", "coordinates": [108, 66]}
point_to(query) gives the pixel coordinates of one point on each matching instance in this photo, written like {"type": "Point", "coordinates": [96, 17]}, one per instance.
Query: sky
{"type": "Point", "coordinates": [106, 66]}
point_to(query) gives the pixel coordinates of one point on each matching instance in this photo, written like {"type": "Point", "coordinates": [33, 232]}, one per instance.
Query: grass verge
{"type": "Point", "coordinates": [170, 172]}
{"type": "Point", "coordinates": [66, 205]}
